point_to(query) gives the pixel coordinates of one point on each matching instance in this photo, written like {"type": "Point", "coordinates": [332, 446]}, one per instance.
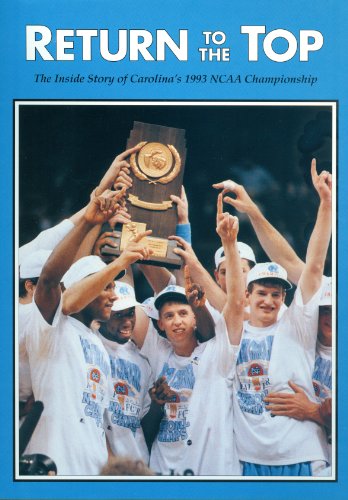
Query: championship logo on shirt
{"type": "Point", "coordinates": [94, 379]}
{"type": "Point", "coordinates": [94, 394]}
{"type": "Point", "coordinates": [97, 371]}
{"type": "Point", "coordinates": [125, 404]}
{"type": "Point", "coordinates": [255, 372]}
{"type": "Point", "coordinates": [120, 388]}
{"type": "Point", "coordinates": [252, 368]}
{"type": "Point", "coordinates": [94, 386]}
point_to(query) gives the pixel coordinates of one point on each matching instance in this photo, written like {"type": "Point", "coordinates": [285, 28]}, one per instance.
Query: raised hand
{"type": "Point", "coordinates": [137, 249]}
{"type": "Point", "coordinates": [242, 201]}
{"type": "Point", "coordinates": [322, 182]}
{"type": "Point", "coordinates": [195, 294]}
{"type": "Point", "coordinates": [227, 225]}
{"type": "Point", "coordinates": [101, 208]}
{"type": "Point", "coordinates": [121, 217]}
{"type": "Point", "coordinates": [181, 206]}
{"type": "Point", "coordinates": [184, 250]}
{"type": "Point", "coordinates": [113, 171]}
{"type": "Point", "coordinates": [123, 179]}
{"type": "Point", "coordinates": [104, 239]}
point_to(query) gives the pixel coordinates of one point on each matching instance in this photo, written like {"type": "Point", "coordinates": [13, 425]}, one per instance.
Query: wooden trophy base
{"type": "Point", "coordinates": [157, 171]}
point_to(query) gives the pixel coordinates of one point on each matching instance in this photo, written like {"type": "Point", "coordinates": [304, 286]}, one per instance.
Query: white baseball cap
{"type": "Point", "coordinates": [82, 268]}
{"type": "Point", "coordinates": [326, 293]}
{"type": "Point", "coordinates": [245, 252]}
{"type": "Point", "coordinates": [171, 292]}
{"type": "Point", "coordinates": [149, 308]}
{"type": "Point", "coordinates": [270, 270]}
{"type": "Point", "coordinates": [32, 265]}
{"type": "Point", "coordinates": [125, 297]}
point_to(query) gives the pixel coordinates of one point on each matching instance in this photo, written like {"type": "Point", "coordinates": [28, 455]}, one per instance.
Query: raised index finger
{"type": "Point", "coordinates": [219, 205]}
{"type": "Point", "coordinates": [314, 170]}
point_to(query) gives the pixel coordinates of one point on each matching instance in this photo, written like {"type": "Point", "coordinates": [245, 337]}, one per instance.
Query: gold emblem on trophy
{"type": "Point", "coordinates": [156, 162]}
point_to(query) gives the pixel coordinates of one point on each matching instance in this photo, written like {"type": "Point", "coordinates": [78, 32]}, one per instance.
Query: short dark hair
{"type": "Point", "coordinates": [175, 297]}
{"type": "Point", "coordinates": [251, 263]}
{"type": "Point", "coordinates": [267, 282]}
{"type": "Point", "coordinates": [22, 292]}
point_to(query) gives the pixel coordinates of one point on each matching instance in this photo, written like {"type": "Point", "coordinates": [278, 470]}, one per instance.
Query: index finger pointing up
{"type": "Point", "coordinates": [219, 204]}
{"type": "Point", "coordinates": [314, 170]}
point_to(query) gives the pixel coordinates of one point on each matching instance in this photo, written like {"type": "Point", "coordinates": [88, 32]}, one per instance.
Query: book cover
{"type": "Point", "coordinates": [259, 87]}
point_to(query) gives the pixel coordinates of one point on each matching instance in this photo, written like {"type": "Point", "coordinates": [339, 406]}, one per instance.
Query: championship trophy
{"type": "Point", "coordinates": [157, 170]}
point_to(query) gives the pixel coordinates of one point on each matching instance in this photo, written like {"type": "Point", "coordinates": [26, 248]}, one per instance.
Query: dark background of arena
{"type": "Point", "coordinates": [65, 149]}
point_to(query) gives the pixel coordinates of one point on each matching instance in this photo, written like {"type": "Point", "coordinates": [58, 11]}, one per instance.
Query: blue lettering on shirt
{"type": "Point", "coordinates": [252, 349]}
{"type": "Point", "coordinates": [95, 356]}
{"type": "Point", "coordinates": [92, 409]}
{"type": "Point", "coordinates": [131, 422]}
{"type": "Point", "coordinates": [122, 369]}
{"type": "Point", "coordinates": [173, 430]}
{"type": "Point", "coordinates": [252, 403]}
{"type": "Point", "coordinates": [179, 379]}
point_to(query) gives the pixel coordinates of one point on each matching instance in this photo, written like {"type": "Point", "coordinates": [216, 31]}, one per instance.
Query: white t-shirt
{"type": "Point", "coordinates": [196, 432]}
{"type": "Point", "coordinates": [268, 359]}
{"type": "Point", "coordinates": [46, 240]}
{"type": "Point", "coordinates": [70, 372]}
{"type": "Point", "coordinates": [322, 375]}
{"type": "Point", "coordinates": [129, 400]}
{"type": "Point", "coordinates": [25, 388]}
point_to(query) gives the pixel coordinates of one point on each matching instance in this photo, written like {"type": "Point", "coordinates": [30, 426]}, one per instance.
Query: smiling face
{"type": "Point", "coordinates": [265, 302]}
{"type": "Point", "coordinates": [178, 321]}
{"type": "Point", "coordinates": [325, 325]}
{"type": "Point", "coordinates": [120, 326]}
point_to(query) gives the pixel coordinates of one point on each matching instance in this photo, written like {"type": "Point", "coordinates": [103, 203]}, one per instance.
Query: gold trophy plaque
{"type": "Point", "coordinates": [157, 170]}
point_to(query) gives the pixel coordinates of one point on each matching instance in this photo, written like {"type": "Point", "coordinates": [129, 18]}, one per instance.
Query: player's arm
{"type": "Point", "coordinates": [82, 293]}
{"type": "Point", "coordinates": [160, 394]}
{"type": "Point", "coordinates": [159, 277]}
{"type": "Point", "coordinates": [118, 167]}
{"type": "Point", "coordinates": [141, 327]}
{"type": "Point", "coordinates": [272, 242]}
{"type": "Point", "coordinates": [233, 311]}
{"type": "Point", "coordinates": [195, 295]}
{"type": "Point", "coordinates": [47, 294]}
{"type": "Point", "coordinates": [318, 245]}
{"type": "Point", "coordinates": [216, 296]}
{"type": "Point", "coordinates": [183, 227]}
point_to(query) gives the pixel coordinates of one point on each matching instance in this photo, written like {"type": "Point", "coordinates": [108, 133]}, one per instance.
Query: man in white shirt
{"type": "Point", "coordinates": [129, 400]}
{"type": "Point", "coordinates": [275, 351]}
{"type": "Point", "coordinates": [69, 365]}
{"type": "Point", "coordinates": [192, 392]}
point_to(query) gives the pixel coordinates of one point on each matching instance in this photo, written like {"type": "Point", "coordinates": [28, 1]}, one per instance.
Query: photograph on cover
{"type": "Point", "coordinates": [175, 278]}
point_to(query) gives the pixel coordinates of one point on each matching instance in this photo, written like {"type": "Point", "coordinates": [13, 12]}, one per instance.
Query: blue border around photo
{"type": "Point", "coordinates": [329, 66]}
